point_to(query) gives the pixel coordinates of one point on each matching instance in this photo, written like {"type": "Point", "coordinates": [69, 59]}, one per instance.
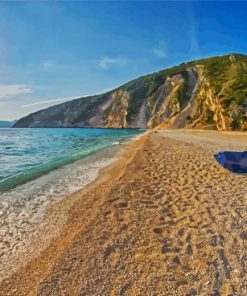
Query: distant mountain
{"type": "Point", "coordinates": [207, 93]}
{"type": "Point", "coordinates": [6, 123]}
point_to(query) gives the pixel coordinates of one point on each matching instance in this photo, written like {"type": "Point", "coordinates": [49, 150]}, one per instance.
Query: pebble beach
{"type": "Point", "coordinates": [162, 219]}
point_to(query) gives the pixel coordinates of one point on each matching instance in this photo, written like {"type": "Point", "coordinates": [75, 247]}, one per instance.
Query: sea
{"type": "Point", "coordinates": [39, 168]}
{"type": "Point", "coordinates": [26, 154]}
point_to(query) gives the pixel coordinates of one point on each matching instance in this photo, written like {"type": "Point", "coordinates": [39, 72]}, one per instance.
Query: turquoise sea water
{"type": "Point", "coordinates": [26, 154]}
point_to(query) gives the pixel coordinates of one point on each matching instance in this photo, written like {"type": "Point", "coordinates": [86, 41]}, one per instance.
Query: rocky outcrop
{"type": "Point", "coordinates": [118, 110]}
{"type": "Point", "coordinates": [208, 93]}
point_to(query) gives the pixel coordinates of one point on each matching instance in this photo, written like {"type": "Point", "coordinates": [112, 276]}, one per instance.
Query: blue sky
{"type": "Point", "coordinates": [53, 51]}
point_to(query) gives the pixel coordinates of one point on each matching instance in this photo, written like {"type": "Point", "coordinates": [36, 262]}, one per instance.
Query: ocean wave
{"type": "Point", "coordinates": [32, 153]}
{"type": "Point", "coordinates": [37, 171]}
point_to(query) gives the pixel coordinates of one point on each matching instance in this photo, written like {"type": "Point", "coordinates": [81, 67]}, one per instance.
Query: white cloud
{"type": "Point", "coordinates": [192, 32]}
{"type": "Point", "coordinates": [106, 62]}
{"type": "Point", "coordinates": [159, 52]}
{"type": "Point", "coordinates": [47, 64]}
{"type": "Point", "coordinates": [50, 101]}
{"type": "Point", "coordinates": [8, 90]}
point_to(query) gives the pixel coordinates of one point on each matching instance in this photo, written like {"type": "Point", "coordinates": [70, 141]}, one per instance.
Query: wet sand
{"type": "Point", "coordinates": [29, 211]}
{"type": "Point", "coordinates": [164, 219]}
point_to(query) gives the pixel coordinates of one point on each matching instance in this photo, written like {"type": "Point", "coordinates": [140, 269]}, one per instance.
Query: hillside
{"type": "Point", "coordinates": [208, 93]}
{"type": "Point", "coordinates": [4, 123]}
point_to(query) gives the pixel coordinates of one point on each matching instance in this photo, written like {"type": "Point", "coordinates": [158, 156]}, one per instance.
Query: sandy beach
{"type": "Point", "coordinates": [164, 219]}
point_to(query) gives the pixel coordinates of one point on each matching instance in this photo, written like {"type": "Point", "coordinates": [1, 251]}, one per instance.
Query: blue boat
{"type": "Point", "coordinates": [235, 162]}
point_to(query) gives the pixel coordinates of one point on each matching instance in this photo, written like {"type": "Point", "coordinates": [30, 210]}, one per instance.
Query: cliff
{"type": "Point", "coordinates": [207, 93]}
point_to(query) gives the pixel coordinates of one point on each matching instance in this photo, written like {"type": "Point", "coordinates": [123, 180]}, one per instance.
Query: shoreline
{"type": "Point", "coordinates": [22, 174]}
{"type": "Point", "coordinates": [52, 218]}
{"type": "Point", "coordinates": [154, 218]}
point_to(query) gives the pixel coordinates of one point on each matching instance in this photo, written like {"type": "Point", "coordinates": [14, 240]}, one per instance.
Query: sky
{"type": "Point", "coordinates": [51, 52]}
